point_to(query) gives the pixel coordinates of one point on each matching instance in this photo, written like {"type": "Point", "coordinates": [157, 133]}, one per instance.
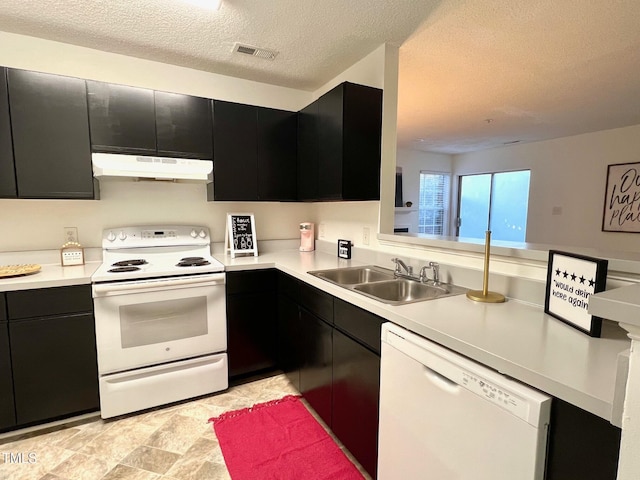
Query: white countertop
{"type": "Point", "coordinates": [514, 338]}
{"type": "Point", "coordinates": [620, 304]}
{"type": "Point", "coordinates": [51, 275]}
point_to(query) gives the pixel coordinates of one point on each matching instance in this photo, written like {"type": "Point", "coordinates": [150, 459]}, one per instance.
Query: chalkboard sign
{"type": "Point", "coordinates": [622, 200]}
{"type": "Point", "coordinates": [240, 236]}
{"type": "Point", "coordinates": [571, 279]}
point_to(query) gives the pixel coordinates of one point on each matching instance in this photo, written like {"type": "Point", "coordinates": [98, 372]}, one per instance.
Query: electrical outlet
{"type": "Point", "coordinates": [321, 231]}
{"type": "Point", "coordinates": [365, 236]}
{"type": "Point", "coordinates": [70, 234]}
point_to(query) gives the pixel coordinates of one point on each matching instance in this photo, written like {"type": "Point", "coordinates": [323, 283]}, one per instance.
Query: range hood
{"type": "Point", "coordinates": [109, 165]}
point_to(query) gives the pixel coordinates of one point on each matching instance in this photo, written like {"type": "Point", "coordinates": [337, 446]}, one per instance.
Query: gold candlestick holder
{"type": "Point", "coordinates": [485, 295]}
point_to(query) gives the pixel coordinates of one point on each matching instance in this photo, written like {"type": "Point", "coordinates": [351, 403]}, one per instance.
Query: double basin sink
{"type": "Point", "coordinates": [381, 284]}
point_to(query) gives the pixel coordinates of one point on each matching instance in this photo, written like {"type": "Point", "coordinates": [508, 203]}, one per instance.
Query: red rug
{"type": "Point", "coordinates": [280, 440]}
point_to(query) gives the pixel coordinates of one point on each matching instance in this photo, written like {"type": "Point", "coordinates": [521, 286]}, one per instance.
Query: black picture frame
{"type": "Point", "coordinates": [621, 210]}
{"type": "Point", "coordinates": [571, 279]}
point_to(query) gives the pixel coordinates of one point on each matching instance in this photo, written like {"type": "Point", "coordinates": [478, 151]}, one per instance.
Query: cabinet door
{"type": "Point", "coordinates": [235, 165]}
{"type": "Point", "coordinates": [55, 371]}
{"type": "Point", "coordinates": [277, 153]}
{"type": "Point", "coordinates": [7, 171]}
{"type": "Point", "coordinates": [7, 407]}
{"type": "Point", "coordinates": [122, 118]}
{"type": "Point", "coordinates": [43, 302]}
{"type": "Point", "coordinates": [362, 140]}
{"type": "Point", "coordinates": [183, 125]}
{"type": "Point", "coordinates": [251, 321]}
{"type": "Point", "coordinates": [308, 152]}
{"type": "Point", "coordinates": [362, 325]}
{"type": "Point", "coordinates": [581, 445]}
{"type": "Point", "coordinates": [330, 127]}
{"type": "Point", "coordinates": [289, 349]}
{"type": "Point", "coordinates": [50, 135]}
{"type": "Point", "coordinates": [317, 359]}
{"type": "Point", "coordinates": [356, 390]}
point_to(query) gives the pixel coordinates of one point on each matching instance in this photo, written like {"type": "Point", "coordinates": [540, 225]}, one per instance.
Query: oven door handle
{"type": "Point", "coordinates": [210, 280]}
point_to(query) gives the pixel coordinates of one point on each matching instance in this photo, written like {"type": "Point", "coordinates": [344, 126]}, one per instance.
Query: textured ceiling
{"type": "Point", "coordinates": [537, 69]}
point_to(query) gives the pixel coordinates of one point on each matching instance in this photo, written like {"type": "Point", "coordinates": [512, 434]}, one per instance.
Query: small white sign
{"type": "Point", "coordinates": [571, 279]}
{"type": "Point", "coordinates": [240, 235]}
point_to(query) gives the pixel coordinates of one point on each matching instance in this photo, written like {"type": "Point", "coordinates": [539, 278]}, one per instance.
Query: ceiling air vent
{"type": "Point", "coordinates": [255, 51]}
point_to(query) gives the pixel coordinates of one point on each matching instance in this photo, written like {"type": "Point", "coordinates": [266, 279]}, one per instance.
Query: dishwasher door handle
{"type": "Point", "coordinates": [441, 381]}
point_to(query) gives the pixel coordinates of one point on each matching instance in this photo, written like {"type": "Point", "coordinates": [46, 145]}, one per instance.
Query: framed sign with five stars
{"type": "Point", "coordinates": [571, 279]}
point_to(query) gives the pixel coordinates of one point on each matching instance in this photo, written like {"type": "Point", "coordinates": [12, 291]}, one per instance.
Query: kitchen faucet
{"type": "Point", "coordinates": [400, 264]}
{"type": "Point", "coordinates": [435, 268]}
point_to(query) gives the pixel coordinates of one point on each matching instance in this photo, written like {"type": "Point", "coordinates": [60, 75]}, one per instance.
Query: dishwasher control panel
{"type": "Point", "coordinates": [495, 394]}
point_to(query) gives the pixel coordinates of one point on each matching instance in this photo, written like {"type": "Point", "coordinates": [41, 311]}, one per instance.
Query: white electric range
{"type": "Point", "coordinates": [160, 315]}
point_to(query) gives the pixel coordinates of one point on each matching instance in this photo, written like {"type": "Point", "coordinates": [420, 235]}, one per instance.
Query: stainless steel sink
{"type": "Point", "coordinates": [380, 284]}
{"type": "Point", "coordinates": [401, 291]}
{"type": "Point", "coordinates": [355, 275]}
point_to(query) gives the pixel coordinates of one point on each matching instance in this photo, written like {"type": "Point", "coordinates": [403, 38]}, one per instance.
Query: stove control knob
{"type": "Point", "coordinates": [193, 234]}
{"type": "Point", "coordinates": [122, 235]}
{"type": "Point", "coordinates": [202, 234]}
{"type": "Point", "coordinates": [111, 236]}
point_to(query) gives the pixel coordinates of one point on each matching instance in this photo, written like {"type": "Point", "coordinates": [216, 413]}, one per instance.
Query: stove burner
{"type": "Point", "coordinates": [123, 269]}
{"type": "Point", "coordinates": [193, 262]}
{"type": "Point", "coordinates": [129, 263]}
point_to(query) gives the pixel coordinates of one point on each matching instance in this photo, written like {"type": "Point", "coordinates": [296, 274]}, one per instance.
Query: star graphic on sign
{"type": "Point", "coordinates": [557, 272]}
{"type": "Point", "coordinates": [591, 282]}
{"type": "Point", "coordinates": [565, 274]}
{"type": "Point", "coordinates": [582, 279]}
{"type": "Point", "coordinates": [573, 277]}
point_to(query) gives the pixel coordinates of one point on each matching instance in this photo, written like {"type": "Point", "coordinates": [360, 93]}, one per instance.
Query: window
{"type": "Point", "coordinates": [496, 202]}
{"type": "Point", "coordinates": [433, 207]}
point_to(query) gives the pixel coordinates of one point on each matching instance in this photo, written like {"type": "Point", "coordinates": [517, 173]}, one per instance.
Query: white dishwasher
{"type": "Point", "coordinates": [444, 417]}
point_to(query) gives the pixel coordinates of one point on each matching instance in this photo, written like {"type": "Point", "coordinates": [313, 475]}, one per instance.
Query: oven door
{"type": "Point", "coordinates": [146, 322]}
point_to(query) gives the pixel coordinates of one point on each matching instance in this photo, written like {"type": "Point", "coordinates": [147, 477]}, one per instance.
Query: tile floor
{"type": "Point", "coordinates": [171, 443]}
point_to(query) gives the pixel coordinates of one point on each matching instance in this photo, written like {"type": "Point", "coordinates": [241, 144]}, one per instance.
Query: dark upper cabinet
{"type": "Point", "coordinates": [183, 125]}
{"type": "Point", "coordinates": [254, 153]}
{"type": "Point", "coordinates": [50, 131]}
{"type": "Point", "coordinates": [308, 153]}
{"type": "Point", "coordinates": [343, 129]}
{"type": "Point", "coordinates": [122, 118]}
{"type": "Point", "coordinates": [136, 120]}
{"type": "Point", "coordinates": [235, 156]}
{"type": "Point", "coordinates": [7, 170]}
{"type": "Point", "coordinates": [277, 153]}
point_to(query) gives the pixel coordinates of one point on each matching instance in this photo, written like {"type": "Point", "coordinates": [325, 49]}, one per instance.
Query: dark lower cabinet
{"type": "Point", "coordinates": [54, 367]}
{"type": "Point", "coordinates": [581, 445]}
{"type": "Point", "coordinates": [316, 363]}
{"type": "Point", "coordinates": [289, 339]}
{"type": "Point", "coordinates": [51, 352]}
{"type": "Point", "coordinates": [355, 399]}
{"type": "Point", "coordinates": [251, 322]}
{"type": "Point", "coordinates": [50, 128]}
{"type": "Point", "coordinates": [335, 368]}
{"type": "Point", "coordinates": [7, 405]}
